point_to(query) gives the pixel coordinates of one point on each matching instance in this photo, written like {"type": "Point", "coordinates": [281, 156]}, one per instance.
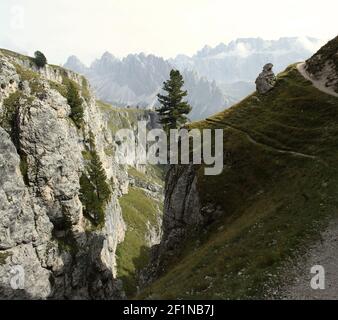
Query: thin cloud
{"type": "Point", "coordinates": [88, 28]}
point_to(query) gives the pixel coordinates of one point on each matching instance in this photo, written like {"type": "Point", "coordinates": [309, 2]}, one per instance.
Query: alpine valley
{"type": "Point", "coordinates": [170, 232]}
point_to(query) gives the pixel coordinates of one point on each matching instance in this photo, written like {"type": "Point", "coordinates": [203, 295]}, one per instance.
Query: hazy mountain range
{"type": "Point", "coordinates": [137, 79]}
{"type": "Point", "coordinates": [242, 59]}
{"type": "Point", "coordinates": [214, 77]}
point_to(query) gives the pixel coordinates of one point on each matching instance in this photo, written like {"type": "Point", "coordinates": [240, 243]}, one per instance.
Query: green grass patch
{"type": "Point", "coordinates": [153, 174]}
{"type": "Point", "coordinates": [32, 77]}
{"type": "Point", "coordinates": [85, 89]}
{"type": "Point", "coordinates": [58, 87]}
{"type": "Point", "coordinates": [120, 118]}
{"type": "Point", "coordinates": [17, 56]}
{"type": "Point", "coordinates": [133, 253]}
{"type": "Point", "coordinates": [25, 73]}
{"type": "Point", "coordinates": [4, 256]}
{"type": "Point", "coordinates": [8, 121]}
{"type": "Point", "coordinates": [10, 107]}
{"type": "Point", "coordinates": [36, 87]}
{"type": "Point", "coordinates": [86, 155]}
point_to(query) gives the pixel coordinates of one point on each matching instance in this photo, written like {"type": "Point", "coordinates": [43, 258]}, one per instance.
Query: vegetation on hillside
{"type": "Point", "coordinates": [9, 122]}
{"type": "Point", "coordinates": [10, 108]}
{"type": "Point", "coordinates": [69, 89]}
{"type": "Point", "coordinates": [19, 56]}
{"type": "Point", "coordinates": [139, 211]}
{"type": "Point", "coordinates": [277, 190]}
{"type": "Point", "coordinates": [95, 192]}
{"type": "Point", "coordinates": [173, 110]}
{"type": "Point", "coordinates": [4, 256]}
{"type": "Point", "coordinates": [121, 118]}
{"type": "Point", "coordinates": [40, 59]}
{"type": "Point", "coordinates": [75, 102]}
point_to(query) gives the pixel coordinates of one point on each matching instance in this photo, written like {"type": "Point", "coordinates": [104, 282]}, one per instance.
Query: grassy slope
{"type": "Point", "coordinates": [120, 118]}
{"type": "Point", "coordinates": [138, 209]}
{"type": "Point", "coordinates": [274, 203]}
{"type": "Point", "coordinates": [16, 55]}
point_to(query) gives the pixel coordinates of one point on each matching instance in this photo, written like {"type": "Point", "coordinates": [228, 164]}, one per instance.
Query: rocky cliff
{"type": "Point", "coordinates": [43, 153]}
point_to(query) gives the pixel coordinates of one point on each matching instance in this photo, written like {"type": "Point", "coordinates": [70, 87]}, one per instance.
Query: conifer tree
{"type": "Point", "coordinates": [88, 197]}
{"type": "Point", "coordinates": [98, 178]}
{"type": "Point", "coordinates": [95, 191]}
{"type": "Point", "coordinates": [75, 102]}
{"type": "Point", "coordinates": [173, 111]}
{"type": "Point", "coordinates": [40, 59]}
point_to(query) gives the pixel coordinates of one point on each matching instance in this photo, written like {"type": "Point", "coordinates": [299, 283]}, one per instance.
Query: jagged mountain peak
{"type": "Point", "coordinates": [259, 44]}
{"type": "Point", "coordinates": [75, 64]}
{"type": "Point", "coordinates": [107, 55]}
{"type": "Point", "coordinates": [136, 79]}
{"type": "Point", "coordinates": [73, 59]}
{"type": "Point", "coordinates": [204, 51]}
{"type": "Point", "coordinates": [144, 58]}
{"type": "Point", "coordinates": [104, 62]}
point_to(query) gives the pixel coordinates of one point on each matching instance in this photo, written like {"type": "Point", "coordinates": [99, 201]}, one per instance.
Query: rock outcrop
{"type": "Point", "coordinates": [266, 79]}
{"type": "Point", "coordinates": [43, 229]}
{"type": "Point", "coordinates": [182, 216]}
{"type": "Point", "coordinates": [323, 66]}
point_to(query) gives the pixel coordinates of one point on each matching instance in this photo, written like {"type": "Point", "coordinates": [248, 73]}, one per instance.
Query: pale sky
{"type": "Point", "coordinates": [88, 28]}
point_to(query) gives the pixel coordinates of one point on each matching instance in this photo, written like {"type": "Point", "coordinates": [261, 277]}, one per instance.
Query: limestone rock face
{"type": "Point", "coordinates": [323, 65]}
{"type": "Point", "coordinates": [48, 249]}
{"type": "Point", "coordinates": [266, 79]}
{"type": "Point", "coordinates": [19, 235]}
{"type": "Point", "coordinates": [181, 214]}
{"type": "Point", "coordinates": [181, 206]}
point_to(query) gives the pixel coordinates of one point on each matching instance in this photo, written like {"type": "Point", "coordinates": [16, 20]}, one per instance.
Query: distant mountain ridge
{"type": "Point", "coordinates": [137, 79]}
{"type": "Point", "coordinates": [214, 77]}
{"type": "Point", "coordinates": [242, 59]}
